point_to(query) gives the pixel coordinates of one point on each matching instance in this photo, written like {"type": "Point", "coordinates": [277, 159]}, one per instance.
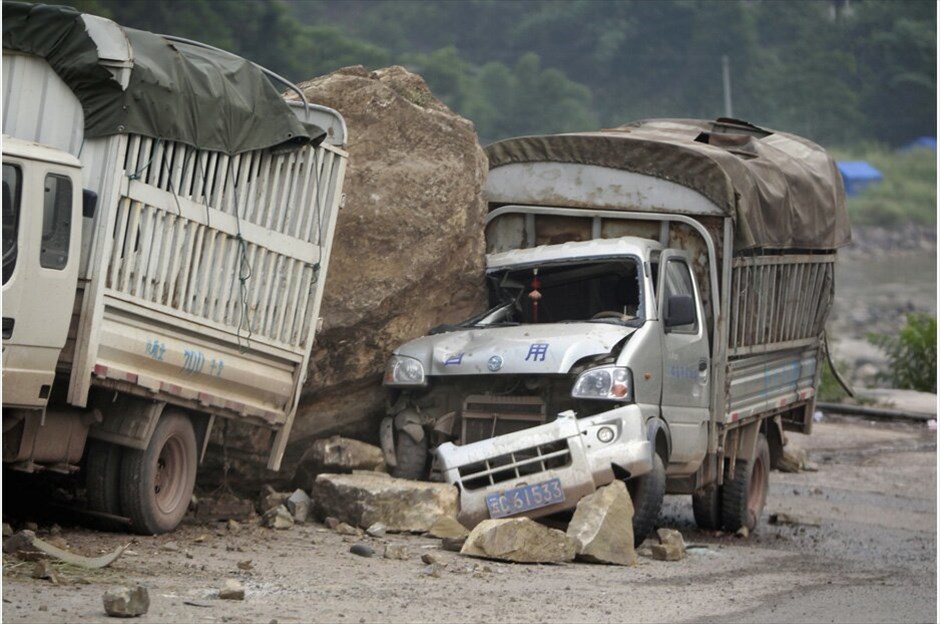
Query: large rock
{"type": "Point", "coordinates": [408, 250]}
{"type": "Point", "coordinates": [336, 455]}
{"type": "Point", "coordinates": [602, 526]}
{"type": "Point", "coordinates": [521, 540]}
{"type": "Point", "coordinates": [363, 499]}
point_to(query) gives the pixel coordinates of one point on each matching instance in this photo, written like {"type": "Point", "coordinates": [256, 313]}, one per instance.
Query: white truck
{"type": "Point", "coordinates": [167, 226]}
{"type": "Point", "coordinates": [659, 295]}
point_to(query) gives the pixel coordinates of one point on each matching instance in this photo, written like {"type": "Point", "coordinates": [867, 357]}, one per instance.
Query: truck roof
{"type": "Point", "coordinates": [175, 90]}
{"type": "Point", "coordinates": [600, 248]}
{"type": "Point", "coordinates": [783, 191]}
{"type": "Point", "coordinates": [35, 151]}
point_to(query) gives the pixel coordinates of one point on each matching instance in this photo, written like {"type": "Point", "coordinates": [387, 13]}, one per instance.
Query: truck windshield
{"type": "Point", "coordinates": [604, 291]}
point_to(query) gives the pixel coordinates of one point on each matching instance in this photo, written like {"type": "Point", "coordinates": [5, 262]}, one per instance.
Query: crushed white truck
{"type": "Point", "coordinates": [167, 225]}
{"type": "Point", "coordinates": [659, 295]}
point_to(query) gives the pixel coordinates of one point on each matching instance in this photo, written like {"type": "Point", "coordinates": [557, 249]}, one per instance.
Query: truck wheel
{"type": "Point", "coordinates": [411, 456]}
{"type": "Point", "coordinates": [743, 496]}
{"type": "Point", "coordinates": [158, 482]}
{"type": "Point", "coordinates": [646, 492]}
{"type": "Point", "coordinates": [706, 507]}
{"type": "Point", "coordinates": [103, 480]}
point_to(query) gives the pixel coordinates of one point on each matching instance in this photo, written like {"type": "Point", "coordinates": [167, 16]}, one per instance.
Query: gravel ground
{"type": "Point", "coordinates": [871, 559]}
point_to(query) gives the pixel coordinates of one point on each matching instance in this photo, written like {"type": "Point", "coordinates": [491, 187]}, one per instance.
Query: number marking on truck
{"type": "Point", "coordinates": [156, 349]}
{"type": "Point", "coordinates": [525, 498]}
{"type": "Point", "coordinates": [193, 361]}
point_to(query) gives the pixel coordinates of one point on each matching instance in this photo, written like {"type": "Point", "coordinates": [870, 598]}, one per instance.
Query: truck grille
{"type": "Point", "coordinates": [486, 416]}
{"type": "Point", "coordinates": [515, 465]}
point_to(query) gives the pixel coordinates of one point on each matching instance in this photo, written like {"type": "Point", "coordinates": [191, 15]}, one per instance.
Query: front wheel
{"type": "Point", "coordinates": [158, 482]}
{"type": "Point", "coordinates": [411, 457]}
{"type": "Point", "coordinates": [743, 494]}
{"type": "Point", "coordinates": [646, 492]}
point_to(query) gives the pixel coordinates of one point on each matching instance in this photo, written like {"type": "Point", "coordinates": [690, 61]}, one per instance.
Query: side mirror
{"type": "Point", "coordinates": [680, 310]}
{"type": "Point", "coordinates": [89, 203]}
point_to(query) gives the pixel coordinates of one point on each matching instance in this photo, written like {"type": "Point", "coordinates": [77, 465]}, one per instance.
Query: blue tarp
{"type": "Point", "coordinates": [857, 175]}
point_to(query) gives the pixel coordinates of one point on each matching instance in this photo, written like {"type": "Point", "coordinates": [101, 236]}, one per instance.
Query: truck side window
{"type": "Point", "coordinates": [679, 282]}
{"type": "Point", "coordinates": [11, 217]}
{"type": "Point", "coordinates": [56, 222]}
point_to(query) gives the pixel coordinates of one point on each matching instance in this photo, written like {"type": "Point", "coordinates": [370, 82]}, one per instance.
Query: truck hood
{"type": "Point", "coordinates": [521, 349]}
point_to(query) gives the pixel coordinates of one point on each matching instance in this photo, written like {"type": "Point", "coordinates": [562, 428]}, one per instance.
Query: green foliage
{"type": "Point", "coordinates": [908, 193]}
{"type": "Point", "coordinates": [912, 354]}
{"type": "Point", "coordinates": [830, 390]}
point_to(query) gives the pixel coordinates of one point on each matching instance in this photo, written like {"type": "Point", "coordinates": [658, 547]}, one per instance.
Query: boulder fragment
{"type": "Point", "coordinates": [126, 601]}
{"type": "Point", "coordinates": [363, 499]}
{"type": "Point", "coordinates": [298, 504]}
{"type": "Point", "coordinates": [448, 526]}
{"type": "Point", "coordinates": [337, 455]}
{"type": "Point", "coordinates": [602, 526]}
{"type": "Point", "coordinates": [232, 589]}
{"type": "Point", "coordinates": [520, 540]}
{"type": "Point", "coordinates": [671, 546]}
{"type": "Point", "coordinates": [278, 518]}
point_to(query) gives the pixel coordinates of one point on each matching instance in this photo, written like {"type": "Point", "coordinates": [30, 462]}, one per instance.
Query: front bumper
{"type": "Point", "coordinates": [567, 448]}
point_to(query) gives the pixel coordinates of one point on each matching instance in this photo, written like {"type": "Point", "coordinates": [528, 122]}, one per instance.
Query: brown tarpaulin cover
{"type": "Point", "coordinates": [783, 191]}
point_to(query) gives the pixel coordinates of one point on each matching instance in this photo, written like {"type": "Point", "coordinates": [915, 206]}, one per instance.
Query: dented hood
{"type": "Point", "coordinates": [522, 349]}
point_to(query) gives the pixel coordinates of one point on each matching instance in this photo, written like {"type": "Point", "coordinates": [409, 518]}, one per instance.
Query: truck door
{"type": "Point", "coordinates": [685, 400]}
{"type": "Point", "coordinates": [41, 218]}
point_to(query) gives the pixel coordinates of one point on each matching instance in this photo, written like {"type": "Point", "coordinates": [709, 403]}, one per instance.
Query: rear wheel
{"type": "Point", "coordinates": [158, 482]}
{"type": "Point", "coordinates": [103, 480]}
{"type": "Point", "coordinates": [646, 492]}
{"type": "Point", "coordinates": [411, 457]}
{"type": "Point", "coordinates": [744, 493]}
{"type": "Point", "coordinates": [706, 507]}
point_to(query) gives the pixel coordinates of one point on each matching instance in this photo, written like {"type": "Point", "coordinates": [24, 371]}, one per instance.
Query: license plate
{"type": "Point", "coordinates": [525, 498]}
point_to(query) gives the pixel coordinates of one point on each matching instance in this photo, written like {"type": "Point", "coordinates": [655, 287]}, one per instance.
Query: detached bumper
{"type": "Point", "coordinates": [567, 449]}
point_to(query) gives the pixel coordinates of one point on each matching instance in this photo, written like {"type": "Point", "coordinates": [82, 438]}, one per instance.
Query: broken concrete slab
{"type": "Point", "coordinates": [299, 505]}
{"type": "Point", "coordinates": [448, 526]}
{"type": "Point", "coordinates": [602, 526]}
{"type": "Point", "coordinates": [337, 455]}
{"type": "Point", "coordinates": [520, 540]}
{"type": "Point", "coordinates": [363, 499]}
{"type": "Point", "coordinates": [232, 589]}
{"type": "Point", "coordinates": [671, 546]}
{"type": "Point", "coordinates": [126, 601]}
{"type": "Point", "coordinates": [278, 518]}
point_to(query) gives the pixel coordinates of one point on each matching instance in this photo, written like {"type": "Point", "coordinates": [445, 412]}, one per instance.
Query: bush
{"type": "Point", "coordinates": [912, 354]}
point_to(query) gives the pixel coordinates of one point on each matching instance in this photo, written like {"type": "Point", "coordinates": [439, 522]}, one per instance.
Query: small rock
{"type": "Point", "coordinates": [671, 546]}
{"type": "Point", "coordinates": [453, 544]}
{"type": "Point", "coordinates": [377, 529]}
{"type": "Point", "coordinates": [278, 518]}
{"type": "Point", "coordinates": [7, 530]}
{"type": "Point", "coordinates": [743, 532]}
{"type": "Point", "coordinates": [55, 529]}
{"type": "Point", "coordinates": [232, 589]}
{"type": "Point", "coordinates": [43, 569]}
{"type": "Point", "coordinates": [170, 547]}
{"type": "Point", "coordinates": [331, 522]}
{"type": "Point", "coordinates": [270, 498]}
{"type": "Point", "coordinates": [432, 570]}
{"type": "Point", "coordinates": [345, 529]}
{"type": "Point", "coordinates": [397, 551]}
{"type": "Point", "coordinates": [58, 541]}
{"type": "Point", "coordinates": [810, 466]}
{"type": "Point", "coordinates": [299, 505]}
{"type": "Point", "coordinates": [234, 526]}
{"type": "Point", "coordinates": [30, 526]}
{"type": "Point", "coordinates": [448, 526]}
{"type": "Point", "coordinates": [431, 559]}
{"type": "Point", "coordinates": [362, 550]}
{"type": "Point", "coordinates": [244, 565]}
{"type": "Point", "coordinates": [126, 602]}
{"type": "Point", "coordinates": [792, 460]}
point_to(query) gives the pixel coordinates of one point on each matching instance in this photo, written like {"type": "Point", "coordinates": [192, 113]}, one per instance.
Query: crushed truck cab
{"type": "Point", "coordinates": [657, 303]}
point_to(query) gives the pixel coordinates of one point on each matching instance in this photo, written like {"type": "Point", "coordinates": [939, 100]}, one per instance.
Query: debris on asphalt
{"type": "Point", "coordinates": [520, 540]}
{"type": "Point", "coordinates": [278, 518]}
{"type": "Point", "coordinates": [401, 505]}
{"type": "Point", "coordinates": [232, 589]}
{"type": "Point", "coordinates": [362, 550]}
{"type": "Point", "coordinates": [300, 506]}
{"type": "Point", "coordinates": [448, 526]}
{"type": "Point", "coordinates": [602, 526]}
{"type": "Point", "coordinates": [126, 602]}
{"type": "Point", "coordinates": [788, 518]}
{"type": "Point", "coordinates": [337, 455]}
{"type": "Point", "coordinates": [671, 546]}
{"type": "Point", "coordinates": [397, 551]}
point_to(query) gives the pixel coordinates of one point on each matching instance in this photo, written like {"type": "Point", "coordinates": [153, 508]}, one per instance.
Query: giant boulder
{"type": "Point", "coordinates": [408, 250]}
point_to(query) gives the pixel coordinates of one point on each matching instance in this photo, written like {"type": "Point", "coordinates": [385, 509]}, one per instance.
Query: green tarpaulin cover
{"type": "Point", "coordinates": [177, 91]}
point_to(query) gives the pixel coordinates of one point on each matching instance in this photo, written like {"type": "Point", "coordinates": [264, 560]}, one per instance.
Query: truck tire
{"type": "Point", "coordinates": [646, 492]}
{"type": "Point", "coordinates": [706, 507]}
{"type": "Point", "coordinates": [743, 495]}
{"type": "Point", "coordinates": [103, 481]}
{"type": "Point", "coordinates": [158, 481]}
{"type": "Point", "coordinates": [411, 456]}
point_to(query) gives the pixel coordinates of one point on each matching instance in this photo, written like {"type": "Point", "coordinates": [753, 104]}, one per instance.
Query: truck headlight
{"type": "Point", "coordinates": [404, 371]}
{"type": "Point", "coordinates": [611, 383]}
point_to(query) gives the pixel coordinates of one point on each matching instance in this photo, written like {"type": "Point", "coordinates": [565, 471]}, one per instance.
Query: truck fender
{"type": "Point", "coordinates": [657, 432]}
{"type": "Point", "coordinates": [410, 421]}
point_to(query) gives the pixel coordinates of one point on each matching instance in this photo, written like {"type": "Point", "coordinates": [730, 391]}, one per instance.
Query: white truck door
{"type": "Point", "coordinates": [686, 365]}
{"type": "Point", "coordinates": [41, 245]}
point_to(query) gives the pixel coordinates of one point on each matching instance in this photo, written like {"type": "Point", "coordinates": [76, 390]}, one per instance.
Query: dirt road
{"type": "Point", "coordinates": [872, 558]}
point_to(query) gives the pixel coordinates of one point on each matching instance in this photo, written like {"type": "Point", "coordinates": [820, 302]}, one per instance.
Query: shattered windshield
{"type": "Point", "coordinates": [608, 290]}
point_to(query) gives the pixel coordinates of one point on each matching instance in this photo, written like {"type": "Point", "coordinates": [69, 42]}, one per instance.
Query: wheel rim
{"type": "Point", "coordinates": [168, 486]}
{"type": "Point", "coordinates": [756, 492]}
